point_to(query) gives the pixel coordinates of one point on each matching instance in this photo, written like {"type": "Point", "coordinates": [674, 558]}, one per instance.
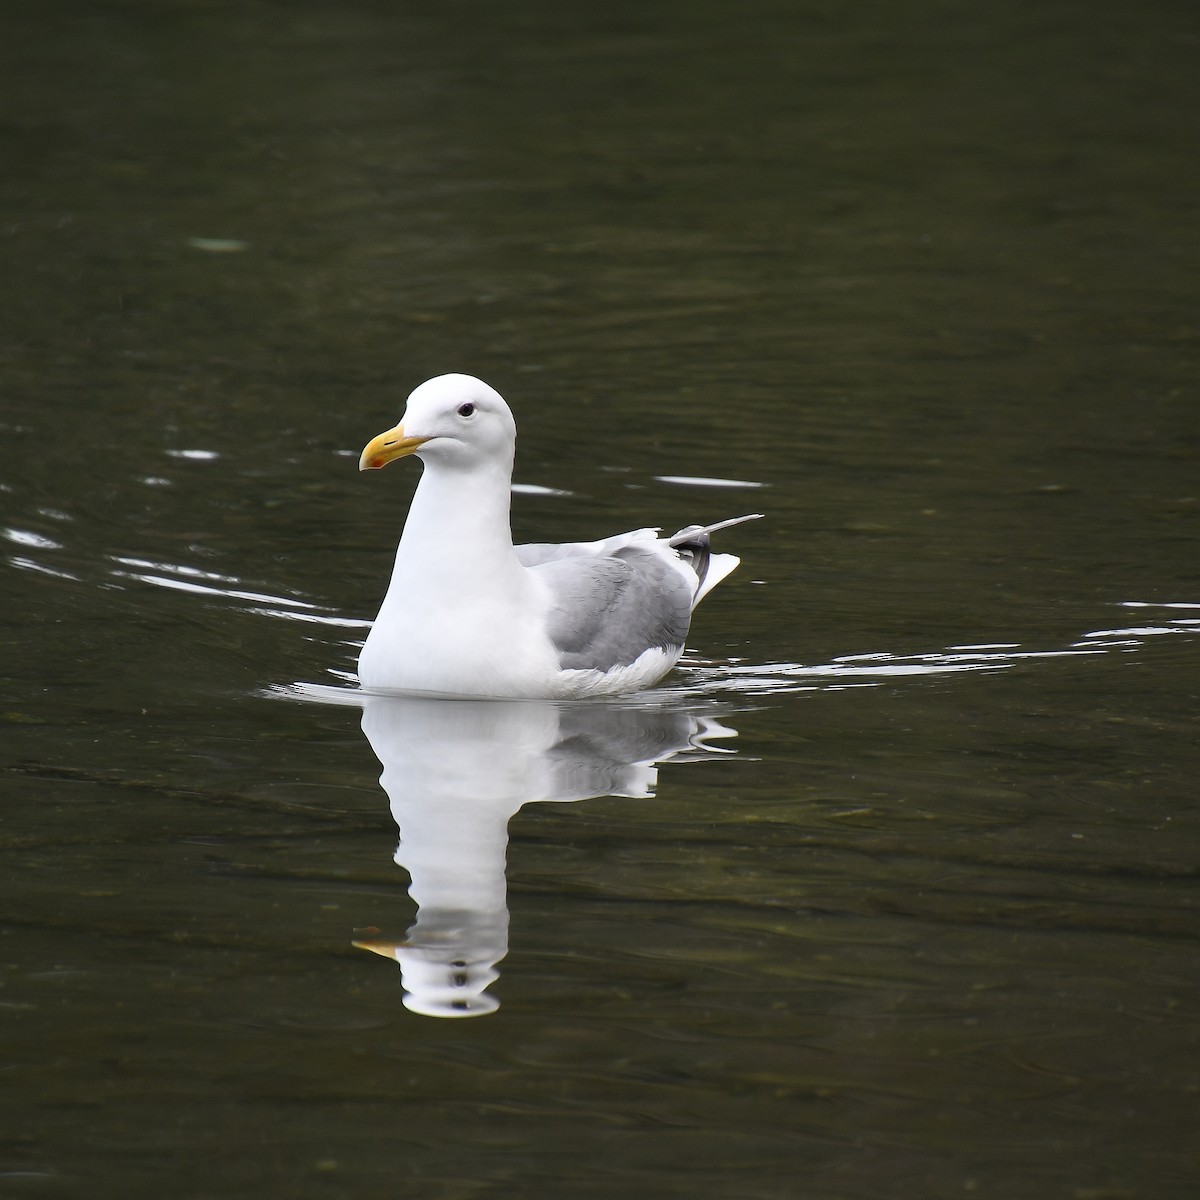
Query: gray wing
{"type": "Point", "coordinates": [608, 611]}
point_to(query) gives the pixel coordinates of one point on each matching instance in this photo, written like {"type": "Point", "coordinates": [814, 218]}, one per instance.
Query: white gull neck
{"type": "Point", "coordinates": [458, 526]}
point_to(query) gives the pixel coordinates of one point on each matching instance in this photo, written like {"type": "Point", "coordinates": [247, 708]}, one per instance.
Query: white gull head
{"type": "Point", "coordinates": [452, 420]}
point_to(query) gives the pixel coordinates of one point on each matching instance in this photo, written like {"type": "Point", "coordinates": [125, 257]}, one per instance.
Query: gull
{"type": "Point", "coordinates": [469, 615]}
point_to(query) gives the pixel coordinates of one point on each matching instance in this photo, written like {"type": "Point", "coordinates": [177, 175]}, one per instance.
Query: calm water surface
{"type": "Point", "coordinates": [891, 890]}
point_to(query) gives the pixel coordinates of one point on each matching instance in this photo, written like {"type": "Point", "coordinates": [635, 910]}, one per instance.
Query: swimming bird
{"type": "Point", "coordinates": [468, 614]}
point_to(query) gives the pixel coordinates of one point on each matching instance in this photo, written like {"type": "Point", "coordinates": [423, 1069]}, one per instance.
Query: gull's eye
{"type": "Point", "coordinates": [465, 410]}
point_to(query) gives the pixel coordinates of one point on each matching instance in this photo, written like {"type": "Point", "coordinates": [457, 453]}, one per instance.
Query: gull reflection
{"type": "Point", "coordinates": [455, 772]}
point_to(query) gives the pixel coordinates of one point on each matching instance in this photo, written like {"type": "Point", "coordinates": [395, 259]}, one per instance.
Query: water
{"type": "Point", "coordinates": [927, 925]}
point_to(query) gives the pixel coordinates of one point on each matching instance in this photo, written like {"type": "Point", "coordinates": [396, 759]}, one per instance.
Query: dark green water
{"type": "Point", "coordinates": [928, 273]}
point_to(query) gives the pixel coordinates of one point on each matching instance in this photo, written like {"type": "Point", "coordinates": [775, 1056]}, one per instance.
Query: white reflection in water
{"type": "Point", "coordinates": [535, 489]}
{"type": "Point", "coordinates": [180, 577]}
{"type": "Point", "coordinates": [26, 537]}
{"type": "Point", "coordinates": [312, 618]}
{"type": "Point", "coordinates": [29, 564]}
{"type": "Point", "coordinates": [708, 481]}
{"type": "Point", "coordinates": [455, 772]}
{"type": "Point", "coordinates": [184, 585]}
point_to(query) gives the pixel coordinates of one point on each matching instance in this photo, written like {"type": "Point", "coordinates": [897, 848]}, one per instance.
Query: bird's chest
{"type": "Point", "coordinates": [441, 632]}
{"type": "Point", "coordinates": [465, 626]}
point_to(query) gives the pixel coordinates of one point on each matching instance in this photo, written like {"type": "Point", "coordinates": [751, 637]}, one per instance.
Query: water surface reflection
{"type": "Point", "coordinates": [456, 771]}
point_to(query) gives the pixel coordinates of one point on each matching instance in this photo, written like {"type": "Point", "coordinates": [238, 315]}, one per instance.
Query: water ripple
{"type": "Point", "coordinates": [870, 670]}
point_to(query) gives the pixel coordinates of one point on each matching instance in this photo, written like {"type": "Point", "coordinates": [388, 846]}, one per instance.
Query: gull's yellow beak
{"type": "Point", "coordinates": [381, 450]}
{"type": "Point", "coordinates": [387, 949]}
